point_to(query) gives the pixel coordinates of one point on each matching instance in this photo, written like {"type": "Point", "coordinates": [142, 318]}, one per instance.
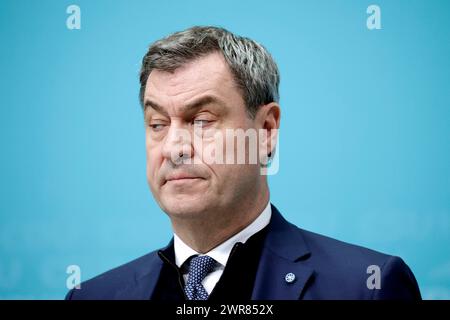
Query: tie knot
{"type": "Point", "coordinates": [199, 267]}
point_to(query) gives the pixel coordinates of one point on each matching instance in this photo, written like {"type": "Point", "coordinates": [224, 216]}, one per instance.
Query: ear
{"type": "Point", "coordinates": [268, 119]}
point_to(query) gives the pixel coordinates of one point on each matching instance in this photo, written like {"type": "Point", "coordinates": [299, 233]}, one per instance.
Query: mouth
{"type": "Point", "coordinates": [180, 179]}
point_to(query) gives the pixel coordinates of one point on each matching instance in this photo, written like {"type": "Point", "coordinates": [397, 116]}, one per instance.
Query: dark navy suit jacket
{"type": "Point", "coordinates": [323, 268]}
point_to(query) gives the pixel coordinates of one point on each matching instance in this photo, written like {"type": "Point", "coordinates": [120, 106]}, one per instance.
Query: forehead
{"type": "Point", "coordinates": [206, 75]}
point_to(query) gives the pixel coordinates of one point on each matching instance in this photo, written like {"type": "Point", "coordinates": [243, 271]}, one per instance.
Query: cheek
{"type": "Point", "coordinates": [154, 158]}
{"type": "Point", "coordinates": [234, 178]}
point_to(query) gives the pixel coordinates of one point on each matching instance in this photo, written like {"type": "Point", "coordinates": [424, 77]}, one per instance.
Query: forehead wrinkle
{"type": "Point", "coordinates": [208, 69]}
{"type": "Point", "coordinates": [190, 106]}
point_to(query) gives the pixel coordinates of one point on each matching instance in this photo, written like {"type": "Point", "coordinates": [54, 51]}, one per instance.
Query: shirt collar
{"type": "Point", "coordinates": [222, 251]}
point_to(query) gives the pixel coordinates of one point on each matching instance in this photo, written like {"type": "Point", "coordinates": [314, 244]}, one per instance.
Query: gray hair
{"type": "Point", "coordinates": [252, 66]}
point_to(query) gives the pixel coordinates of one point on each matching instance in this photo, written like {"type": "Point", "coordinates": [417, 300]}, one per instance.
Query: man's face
{"type": "Point", "coordinates": [200, 95]}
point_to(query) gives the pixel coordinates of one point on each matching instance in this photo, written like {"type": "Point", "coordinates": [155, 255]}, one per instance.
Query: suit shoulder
{"type": "Point", "coordinates": [345, 268]}
{"type": "Point", "coordinates": [107, 284]}
{"type": "Point", "coordinates": [324, 246]}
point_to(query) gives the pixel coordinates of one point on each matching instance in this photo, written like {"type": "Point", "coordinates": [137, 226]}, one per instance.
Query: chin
{"type": "Point", "coordinates": [183, 206]}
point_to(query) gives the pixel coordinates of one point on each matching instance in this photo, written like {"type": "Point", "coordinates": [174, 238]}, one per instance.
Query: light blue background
{"type": "Point", "coordinates": [364, 145]}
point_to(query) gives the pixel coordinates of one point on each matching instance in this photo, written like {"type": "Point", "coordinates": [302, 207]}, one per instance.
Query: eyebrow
{"type": "Point", "coordinates": [192, 106]}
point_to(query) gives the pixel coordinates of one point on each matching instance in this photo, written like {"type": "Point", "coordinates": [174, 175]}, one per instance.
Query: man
{"type": "Point", "coordinates": [229, 242]}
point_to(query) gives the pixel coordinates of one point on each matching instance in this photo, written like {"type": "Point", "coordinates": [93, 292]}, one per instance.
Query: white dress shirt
{"type": "Point", "coordinates": [222, 251]}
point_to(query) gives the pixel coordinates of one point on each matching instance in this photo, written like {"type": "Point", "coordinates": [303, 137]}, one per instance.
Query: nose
{"type": "Point", "coordinates": [177, 146]}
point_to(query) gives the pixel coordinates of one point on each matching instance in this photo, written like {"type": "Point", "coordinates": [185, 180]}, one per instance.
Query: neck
{"type": "Point", "coordinates": [213, 228]}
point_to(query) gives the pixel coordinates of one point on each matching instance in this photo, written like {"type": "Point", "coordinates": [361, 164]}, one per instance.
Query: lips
{"type": "Point", "coordinates": [180, 177]}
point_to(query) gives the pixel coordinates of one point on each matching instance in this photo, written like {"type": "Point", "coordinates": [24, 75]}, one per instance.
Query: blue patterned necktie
{"type": "Point", "coordinates": [199, 267]}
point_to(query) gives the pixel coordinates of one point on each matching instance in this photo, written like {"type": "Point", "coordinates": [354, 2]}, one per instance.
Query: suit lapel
{"type": "Point", "coordinates": [283, 252]}
{"type": "Point", "coordinates": [145, 280]}
{"type": "Point", "coordinates": [143, 287]}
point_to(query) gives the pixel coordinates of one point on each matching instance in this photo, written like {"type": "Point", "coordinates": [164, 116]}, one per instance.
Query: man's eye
{"type": "Point", "coordinates": [201, 122]}
{"type": "Point", "coordinates": [157, 126]}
